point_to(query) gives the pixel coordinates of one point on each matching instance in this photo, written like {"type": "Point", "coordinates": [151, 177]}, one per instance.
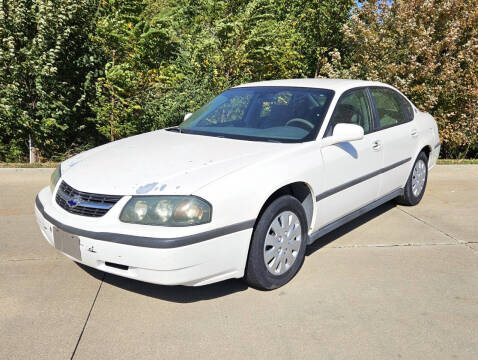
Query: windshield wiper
{"type": "Point", "coordinates": [175, 128]}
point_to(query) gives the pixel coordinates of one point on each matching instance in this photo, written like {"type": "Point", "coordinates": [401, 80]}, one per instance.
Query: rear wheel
{"type": "Point", "coordinates": [278, 244]}
{"type": "Point", "coordinates": [416, 183]}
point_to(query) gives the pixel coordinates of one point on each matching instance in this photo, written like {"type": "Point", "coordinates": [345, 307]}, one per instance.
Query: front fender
{"type": "Point", "coordinates": [241, 195]}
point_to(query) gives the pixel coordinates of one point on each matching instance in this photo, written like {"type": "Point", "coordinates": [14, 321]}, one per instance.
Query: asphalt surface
{"type": "Point", "coordinates": [400, 282]}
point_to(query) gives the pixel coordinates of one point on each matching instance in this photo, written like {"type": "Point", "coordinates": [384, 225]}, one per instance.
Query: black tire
{"type": "Point", "coordinates": [257, 275]}
{"type": "Point", "coordinates": [408, 198]}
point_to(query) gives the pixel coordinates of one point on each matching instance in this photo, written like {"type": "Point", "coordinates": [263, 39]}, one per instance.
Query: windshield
{"type": "Point", "coordinates": [284, 114]}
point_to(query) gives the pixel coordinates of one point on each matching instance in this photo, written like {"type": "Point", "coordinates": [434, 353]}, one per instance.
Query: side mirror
{"type": "Point", "coordinates": [342, 133]}
{"type": "Point", "coordinates": [187, 116]}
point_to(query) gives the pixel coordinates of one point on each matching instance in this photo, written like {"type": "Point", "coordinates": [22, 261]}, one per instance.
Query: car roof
{"type": "Point", "coordinates": [338, 85]}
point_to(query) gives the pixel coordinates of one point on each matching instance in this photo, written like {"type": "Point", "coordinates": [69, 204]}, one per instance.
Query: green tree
{"type": "Point", "coordinates": [429, 50]}
{"type": "Point", "coordinates": [77, 73]}
{"type": "Point", "coordinates": [137, 47]}
{"type": "Point", "coordinates": [319, 25]}
{"type": "Point", "coordinates": [47, 71]}
{"type": "Point", "coordinates": [224, 43]}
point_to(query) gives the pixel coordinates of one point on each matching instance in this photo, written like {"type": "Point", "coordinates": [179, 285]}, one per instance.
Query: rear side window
{"type": "Point", "coordinates": [408, 108]}
{"type": "Point", "coordinates": [390, 107]}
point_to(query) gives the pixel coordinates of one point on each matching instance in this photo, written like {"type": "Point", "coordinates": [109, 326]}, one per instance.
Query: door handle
{"type": "Point", "coordinates": [414, 132]}
{"type": "Point", "coordinates": [376, 145]}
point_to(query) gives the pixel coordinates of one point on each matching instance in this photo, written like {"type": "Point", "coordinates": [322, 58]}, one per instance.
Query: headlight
{"type": "Point", "coordinates": [166, 210]}
{"type": "Point", "coordinates": [55, 177]}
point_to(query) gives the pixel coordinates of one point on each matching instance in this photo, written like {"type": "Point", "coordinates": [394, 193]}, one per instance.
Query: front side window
{"type": "Point", "coordinates": [389, 107]}
{"type": "Point", "coordinates": [352, 108]}
{"type": "Point", "coordinates": [284, 114]}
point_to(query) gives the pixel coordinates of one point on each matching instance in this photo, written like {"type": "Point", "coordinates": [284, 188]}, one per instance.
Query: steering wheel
{"type": "Point", "coordinates": [299, 120]}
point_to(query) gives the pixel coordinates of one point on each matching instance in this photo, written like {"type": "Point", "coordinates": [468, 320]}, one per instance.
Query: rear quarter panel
{"type": "Point", "coordinates": [428, 136]}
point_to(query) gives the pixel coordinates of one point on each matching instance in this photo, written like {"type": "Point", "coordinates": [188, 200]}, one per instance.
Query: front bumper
{"type": "Point", "coordinates": [192, 259]}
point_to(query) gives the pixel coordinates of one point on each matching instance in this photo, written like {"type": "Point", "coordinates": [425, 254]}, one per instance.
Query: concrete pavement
{"type": "Point", "coordinates": [400, 282]}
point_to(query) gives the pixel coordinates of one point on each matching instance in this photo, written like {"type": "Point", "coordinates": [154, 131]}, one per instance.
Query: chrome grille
{"type": "Point", "coordinates": [83, 203]}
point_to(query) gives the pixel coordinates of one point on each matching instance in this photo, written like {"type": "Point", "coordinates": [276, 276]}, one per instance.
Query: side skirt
{"type": "Point", "coordinates": [338, 223]}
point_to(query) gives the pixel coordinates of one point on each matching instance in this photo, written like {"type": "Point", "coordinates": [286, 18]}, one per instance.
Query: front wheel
{"type": "Point", "coordinates": [278, 244]}
{"type": "Point", "coordinates": [416, 183]}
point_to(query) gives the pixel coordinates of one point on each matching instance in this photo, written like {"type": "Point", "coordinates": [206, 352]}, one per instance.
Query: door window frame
{"type": "Point", "coordinates": [374, 113]}
{"type": "Point", "coordinates": [376, 122]}
{"type": "Point", "coordinates": [328, 131]}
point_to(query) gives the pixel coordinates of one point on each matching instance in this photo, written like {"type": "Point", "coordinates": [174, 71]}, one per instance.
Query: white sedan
{"type": "Point", "coordinates": [243, 185]}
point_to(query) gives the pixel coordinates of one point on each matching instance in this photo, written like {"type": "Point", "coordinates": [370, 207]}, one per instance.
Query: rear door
{"type": "Point", "coordinates": [351, 169]}
{"type": "Point", "coordinates": [398, 135]}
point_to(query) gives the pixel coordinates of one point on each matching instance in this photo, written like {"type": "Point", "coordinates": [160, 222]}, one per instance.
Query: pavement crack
{"type": "Point", "coordinates": [460, 242]}
{"type": "Point", "coordinates": [87, 318]}
{"type": "Point", "coordinates": [432, 226]}
{"type": "Point", "coordinates": [391, 245]}
{"type": "Point", "coordinates": [32, 259]}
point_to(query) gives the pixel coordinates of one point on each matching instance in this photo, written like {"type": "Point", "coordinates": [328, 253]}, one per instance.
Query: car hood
{"type": "Point", "coordinates": [161, 162]}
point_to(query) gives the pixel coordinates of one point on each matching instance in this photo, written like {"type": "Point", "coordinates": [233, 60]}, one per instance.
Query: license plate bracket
{"type": "Point", "coordinates": [67, 243]}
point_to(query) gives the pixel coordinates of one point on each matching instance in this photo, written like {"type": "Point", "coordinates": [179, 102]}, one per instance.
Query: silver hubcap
{"type": "Point", "coordinates": [418, 177]}
{"type": "Point", "coordinates": [282, 244]}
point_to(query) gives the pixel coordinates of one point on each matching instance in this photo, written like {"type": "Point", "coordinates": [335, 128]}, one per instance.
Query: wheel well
{"type": "Point", "coordinates": [427, 150]}
{"type": "Point", "coordinates": [300, 191]}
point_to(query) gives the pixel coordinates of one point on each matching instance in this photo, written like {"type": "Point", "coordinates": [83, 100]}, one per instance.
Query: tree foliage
{"type": "Point", "coordinates": [78, 73]}
{"type": "Point", "coordinates": [168, 58]}
{"type": "Point", "coordinates": [47, 70]}
{"type": "Point", "coordinates": [428, 50]}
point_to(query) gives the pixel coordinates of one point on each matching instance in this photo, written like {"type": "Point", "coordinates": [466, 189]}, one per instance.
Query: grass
{"type": "Point", "coordinates": [27, 165]}
{"type": "Point", "coordinates": [55, 164]}
{"type": "Point", "coordinates": [457, 161]}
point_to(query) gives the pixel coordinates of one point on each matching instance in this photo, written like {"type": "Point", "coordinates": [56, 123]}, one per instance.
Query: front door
{"type": "Point", "coordinates": [351, 169]}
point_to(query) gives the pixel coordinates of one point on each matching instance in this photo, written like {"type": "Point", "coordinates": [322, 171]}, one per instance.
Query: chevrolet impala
{"type": "Point", "coordinates": [242, 185]}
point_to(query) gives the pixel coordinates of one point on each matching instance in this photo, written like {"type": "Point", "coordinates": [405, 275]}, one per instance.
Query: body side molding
{"type": "Point", "coordinates": [343, 220]}
{"type": "Point", "coordinates": [359, 180]}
